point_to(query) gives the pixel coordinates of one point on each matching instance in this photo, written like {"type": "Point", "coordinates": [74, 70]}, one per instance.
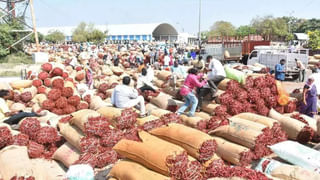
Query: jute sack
{"type": "Point", "coordinates": [229, 151]}
{"type": "Point", "coordinates": [171, 91]}
{"type": "Point", "coordinates": [141, 121]}
{"type": "Point", "coordinates": [47, 169]}
{"type": "Point", "coordinates": [291, 126]}
{"type": "Point", "coordinates": [110, 112]}
{"type": "Point", "coordinates": [5, 86]}
{"type": "Point", "coordinates": [257, 118]}
{"type": "Point", "coordinates": [245, 124]}
{"type": "Point", "coordinates": [14, 161]}
{"type": "Point", "coordinates": [244, 137]}
{"type": "Point", "coordinates": [129, 170]}
{"type": "Point", "coordinates": [79, 118]}
{"type": "Point", "coordinates": [152, 152]}
{"type": "Point", "coordinates": [66, 154]}
{"type": "Point", "coordinates": [117, 71]}
{"type": "Point", "coordinates": [159, 112]}
{"type": "Point", "coordinates": [188, 138]}
{"type": "Point", "coordinates": [202, 115]}
{"type": "Point", "coordinates": [150, 107]}
{"type": "Point", "coordinates": [191, 121]}
{"type": "Point", "coordinates": [317, 56]}
{"type": "Point", "coordinates": [39, 98]}
{"type": "Point", "coordinates": [161, 100]}
{"type": "Point", "coordinates": [164, 75]}
{"type": "Point", "coordinates": [97, 103]}
{"type": "Point", "coordinates": [33, 90]}
{"type": "Point", "coordinates": [209, 107]}
{"type": "Point", "coordinates": [106, 71]}
{"type": "Point", "coordinates": [16, 107]}
{"type": "Point", "coordinates": [18, 84]}
{"type": "Point", "coordinates": [287, 172]}
{"type": "Point", "coordinates": [72, 134]}
{"type": "Point", "coordinates": [223, 84]}
{"type": "Point", "coordinates": [160, 83]}
{"type": "Point", "coordinates": [313, 61]}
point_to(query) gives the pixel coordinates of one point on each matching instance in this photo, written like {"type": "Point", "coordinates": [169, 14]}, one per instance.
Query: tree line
{"type": "Point", "coordinates": [270, 28]}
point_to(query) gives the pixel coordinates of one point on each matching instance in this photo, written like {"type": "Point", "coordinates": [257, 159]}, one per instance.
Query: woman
{"type": "Point", "coordinates": [309, 101]}
{"type": "Point", "coordinates": [144, 82]}
{"type": "Point", "coordinates": [192, 81]}
{"type": "Point", "coordinates": [89, 77]}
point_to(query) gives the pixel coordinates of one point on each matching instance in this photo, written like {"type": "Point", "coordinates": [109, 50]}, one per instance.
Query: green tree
{"type": "Point", "coordinates": [55, 36]}
{"type": "Point", "coordinates": [87, 33]}
{"type": "Point", "coordinates": [32, 39]}
{"type": "Point", "coordinates": [246, 30]}
{"type": "Point", "coordinates": [314, 39]}
{"type": "Point", "coordinates": [204, 35]}
{"type": "Point", "coordinates": [96, 36]}
{"type": "Point", "coordinates": [80, 34]}
{"type": "Point", "coordinates": [6, 39]}
{"type": "Point", "coordinates": [309, 25]}
{"type": "Point", "coordinates": [271, 28]}
{"type": "Point", "coordinates": [222, 28]}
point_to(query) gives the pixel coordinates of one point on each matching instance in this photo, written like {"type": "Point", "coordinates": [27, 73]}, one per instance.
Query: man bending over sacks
{"type": "Point", "coordinates": [124, 96]}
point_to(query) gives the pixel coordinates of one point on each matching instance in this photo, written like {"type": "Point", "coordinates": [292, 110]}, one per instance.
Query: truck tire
{"type": "Point", "coordinates": [244, 59]}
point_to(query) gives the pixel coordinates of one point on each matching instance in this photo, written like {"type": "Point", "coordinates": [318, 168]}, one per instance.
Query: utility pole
{"type": "Point", "coordinates": [34, 25]}
{"type": "Point", "coordinates": [199, 33]}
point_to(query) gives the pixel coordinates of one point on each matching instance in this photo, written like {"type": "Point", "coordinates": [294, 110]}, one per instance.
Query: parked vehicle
{"type": "Point", "coordinates": [270, 56]}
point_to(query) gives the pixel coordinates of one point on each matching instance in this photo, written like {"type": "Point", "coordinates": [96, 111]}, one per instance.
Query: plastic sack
{"type": "Point", "coordinates": [80, 172]}
{"type": "Point", "coordinates": [298, 154]}
{"type": "Point", "coordinates": [235, 74]}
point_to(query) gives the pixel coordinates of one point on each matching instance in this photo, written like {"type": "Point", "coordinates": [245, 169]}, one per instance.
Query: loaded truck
{"type": "Point", "coordinates": [231, 50]}
{"type": "Point", "coordinates": [270, 56]}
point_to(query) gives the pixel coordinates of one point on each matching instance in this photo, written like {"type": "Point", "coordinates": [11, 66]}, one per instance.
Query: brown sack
{"type": "Point", "coordinates": [67, 154]}
{"type": "Point", "coordinates": [209, 107]}
{"type": "Point", "coordinates": [150, 107]}
{"type": "Point", "coordinates": [202, 115]}
{"type": "Point", "coordinates": [229, 151]}
{"type": "Point", "coordinates": [161, 100]}
{"type": "Point", "coordinates": [117, 71]}
{"type": "Point", "coordinates": [287, 172]}
{"type": "Point", "coordinates": [160, 83]}
{"type": "Point", "coordinates": [14, 161]}
{"type": "Point", "coordinates": [152, 152]}
{"type": "Point", "coordinates": [72, 134]}
{"type": "Point", "coordinates": [79, 118]}
{"type": "Point", "coordinates": [257, 118]}
{"type": "Point", "coordinates": [141, 121]}
{"type": "Point", "coordinates": [129, 170]}
{"type": "Point", "coordinates": [191, 121]}
{"type": "Point", "coordinates": [291, 126]}
{"type": "Point", "coordinates": [159, 112]}
{"type": "Point", "coordinates": [33, 90]}
{"type": "Point", "coordinates": [244, 137]}
{"type": "Point", "coordinates": [110, 112]}
{"type": "Point", "coordinates": [164, 75]}
{"type": "Point", "coordinates": [245, 124]}
{"type": "Point", "coordinates": [170, 91]}
{"type": "Point", "coordinates": [47, 169]}
{"type": "Point", "coordinates": [223, 84]}
{"type": "Point", "coordinates": [97, 103]}
{"type": "Point", "coordinates": [188, 138]}
{"type": "Point", "coordinates": [18, 84]}
{"type": "Point", "coordinates": [16, 107]}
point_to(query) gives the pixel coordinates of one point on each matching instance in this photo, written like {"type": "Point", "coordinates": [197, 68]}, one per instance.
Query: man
{"type": "Point", "coordinates": [125, 96]}
{"type": "Point", "coordinates": [166, 60]}
{"type": "Point", "coordinates": [216, 72]}
{"type": "Point", "coordinates": [280, 70]}
{"type": "Point", "coordinates": [302, 70]}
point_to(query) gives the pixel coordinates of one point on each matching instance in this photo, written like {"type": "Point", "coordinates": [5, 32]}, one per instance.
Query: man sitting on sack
{"type": "Point", "coordinates": [124, 96]}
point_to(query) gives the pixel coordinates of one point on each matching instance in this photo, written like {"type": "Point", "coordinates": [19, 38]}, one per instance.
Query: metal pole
{"type": "Point", "coordinates": [34, 25]}
{"type": "Point", "coordinates": [199, 33]}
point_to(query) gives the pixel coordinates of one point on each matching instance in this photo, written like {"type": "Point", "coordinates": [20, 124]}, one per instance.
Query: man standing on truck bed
{"type": "Point", "coordinates": [302, 70]}
{"type": "Point", "coordinates": [280, 70]}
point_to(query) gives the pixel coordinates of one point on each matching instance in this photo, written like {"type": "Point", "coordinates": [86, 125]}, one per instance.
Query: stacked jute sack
{"type": "Point", "coordinates": [314, 61]}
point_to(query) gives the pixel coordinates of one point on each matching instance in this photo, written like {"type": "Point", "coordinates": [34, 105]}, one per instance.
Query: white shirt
{"type": "Point", "coordinates": [122, 94]}
{"type": "Point", "coordinates": [216, 69]}
{"type": "Point", "coordinates": [316, 77]}
{"type": "Point", "coordinates": [166, 60]}
{"type": "Point", "coordinates": [150, 74]}
{"type": "Point", "coordinates": [300, 65]}
{"type": "Point", "coordinates": [143, 80]}
{"type": "Point", "coordinates": [3, 106]}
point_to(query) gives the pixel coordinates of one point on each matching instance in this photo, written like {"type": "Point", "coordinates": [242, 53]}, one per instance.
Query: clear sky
{"type": "Point", "coordinates": [183, 14]}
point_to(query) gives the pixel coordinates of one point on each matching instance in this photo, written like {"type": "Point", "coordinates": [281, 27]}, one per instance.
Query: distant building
{"type": "Point", "coordinates": [126, 32]}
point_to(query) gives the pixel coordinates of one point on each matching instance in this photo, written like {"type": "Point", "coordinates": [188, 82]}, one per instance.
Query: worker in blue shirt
{"type": "Point", "coordinates": [280, 70]}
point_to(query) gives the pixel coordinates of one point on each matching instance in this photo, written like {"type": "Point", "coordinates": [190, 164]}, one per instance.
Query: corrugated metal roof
{"type": "Point", "coordinates": [119, 29]}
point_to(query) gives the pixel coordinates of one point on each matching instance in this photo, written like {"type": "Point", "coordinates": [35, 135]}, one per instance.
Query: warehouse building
{"type": "Point", "coordinates": [126, 32]}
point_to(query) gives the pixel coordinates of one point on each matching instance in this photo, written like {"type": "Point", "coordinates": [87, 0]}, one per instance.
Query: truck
{"type": "Point", "coordinates": [227, 51]}
{"type": "Point", "coordinates": [269, 56]}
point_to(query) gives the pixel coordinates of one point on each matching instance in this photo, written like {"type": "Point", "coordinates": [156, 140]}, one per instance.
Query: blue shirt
{"type": "Point", "coordinates": [280, 74]}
